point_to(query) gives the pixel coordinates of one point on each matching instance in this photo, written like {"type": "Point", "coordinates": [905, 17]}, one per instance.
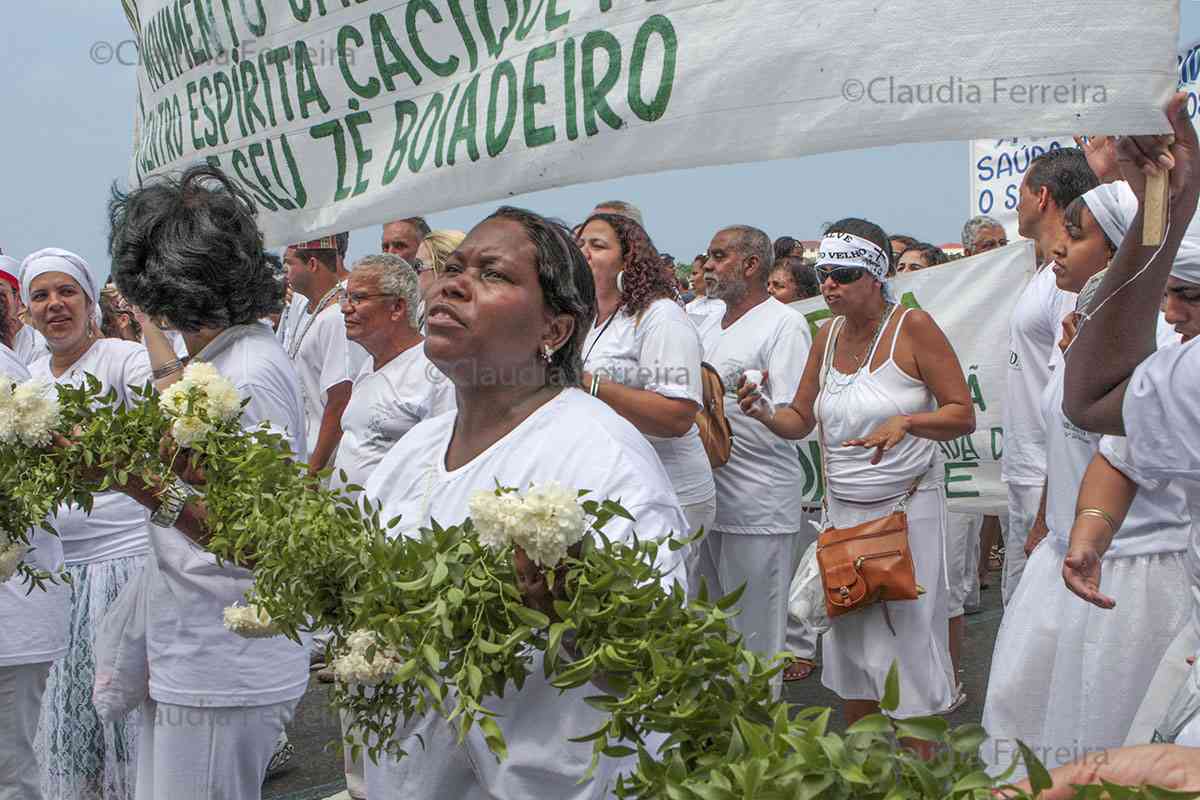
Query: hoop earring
{"type": "Point", "coordinates": [621, 281]}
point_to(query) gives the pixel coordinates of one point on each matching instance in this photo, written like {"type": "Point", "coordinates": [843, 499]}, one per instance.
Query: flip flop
{"type": "Point", "coordinates": [798, 669]}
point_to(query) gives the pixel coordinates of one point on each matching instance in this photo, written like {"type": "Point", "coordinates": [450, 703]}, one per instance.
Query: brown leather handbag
{"type": "Point", "coordinates": [868, 563]}
{"type": "Point", "coordinates": [715, 432]}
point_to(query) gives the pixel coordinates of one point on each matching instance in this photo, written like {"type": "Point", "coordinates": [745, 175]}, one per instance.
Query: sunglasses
{"type": "Point", "coordinates": [841, 275]}
{"type": "Point", "coordinates": [420, 266]}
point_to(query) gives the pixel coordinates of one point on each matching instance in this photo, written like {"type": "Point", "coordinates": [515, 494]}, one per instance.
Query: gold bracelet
{"type": "Point", "coordinates": [1101, 514]}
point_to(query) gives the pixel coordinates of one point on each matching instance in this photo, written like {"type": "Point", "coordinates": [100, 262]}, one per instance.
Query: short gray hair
{"type": "Point", "coordinates": [624, 209]}
{"type": "Point", "coordinates": [751, 241]}
{"type": "Point", "coordinates": [396, 277]}
{"type": "Point", "coordinates": [974, 226]}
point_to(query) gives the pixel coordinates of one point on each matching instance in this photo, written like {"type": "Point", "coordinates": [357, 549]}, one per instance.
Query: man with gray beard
{"type": "Point", "coordinates": [756, 539]}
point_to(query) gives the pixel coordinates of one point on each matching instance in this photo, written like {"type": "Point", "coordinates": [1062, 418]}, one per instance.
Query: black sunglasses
{"type": "Point", "coordinates": [841, 275]}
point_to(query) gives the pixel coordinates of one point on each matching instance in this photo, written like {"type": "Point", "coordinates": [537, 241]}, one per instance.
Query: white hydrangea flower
{"type": "Point", "coordinates": [494, 515]}
{"type": "Point", "coordinates": [549, 521]}
{"type": "Point", "coordinates": [250, 621]}
{"type": "Point", "coordinates": [199, 400]}
{"type": "Point", "coordinates": [190, 431]}
{"type": "Point", "coordinates": [11, 555]}
{"type": "Point", "coordinates": [352, 665]}
{"type": "Point", "coordinates": [29, 413]}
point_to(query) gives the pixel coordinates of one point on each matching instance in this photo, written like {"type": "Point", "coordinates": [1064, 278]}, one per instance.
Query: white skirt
{"type": "Point", "coordinates": [859, 648]}
{"type": "Point", "coordinates": [1067, 677]}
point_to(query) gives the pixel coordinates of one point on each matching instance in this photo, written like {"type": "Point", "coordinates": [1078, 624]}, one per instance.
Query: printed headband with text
{"type": "Point", "coordinates": [848, 250]}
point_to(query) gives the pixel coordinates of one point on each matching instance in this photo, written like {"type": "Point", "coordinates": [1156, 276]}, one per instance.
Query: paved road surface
{"type": "Point", "coordinates": [315, 772]}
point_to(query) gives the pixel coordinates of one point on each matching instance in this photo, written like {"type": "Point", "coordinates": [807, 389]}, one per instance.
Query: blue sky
{"type": "Point", "coordinates": [66, 134]}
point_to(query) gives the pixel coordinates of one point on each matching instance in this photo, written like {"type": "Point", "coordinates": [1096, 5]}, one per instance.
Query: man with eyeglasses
{"type": "Point", "coordinates": [757, 534]}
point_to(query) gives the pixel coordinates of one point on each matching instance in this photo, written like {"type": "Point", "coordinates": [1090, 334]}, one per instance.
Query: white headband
{"type": "Point", "coordinates": [1114, 207]}
{"type": "Point", "coordinates": [52, 259]}
{"type": "Point", "coordinates": [848, 250]}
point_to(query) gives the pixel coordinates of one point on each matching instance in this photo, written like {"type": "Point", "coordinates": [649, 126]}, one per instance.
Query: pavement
{"type": "Point", "coordinates": [315, 771]}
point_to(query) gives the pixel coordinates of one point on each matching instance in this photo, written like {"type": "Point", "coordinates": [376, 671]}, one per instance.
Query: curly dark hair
{"type": "Point", "coordinates": [187, 248]}
{"type": "Point", "coordinates": [644, 280]}
{"type": "Point", "coordinates": [566, 282]}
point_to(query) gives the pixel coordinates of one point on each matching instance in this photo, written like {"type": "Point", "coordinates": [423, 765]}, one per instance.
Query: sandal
{"type": "Point", "coordinates": [996, 558]}
{"type": "Point", "coordinates": [798, 669]}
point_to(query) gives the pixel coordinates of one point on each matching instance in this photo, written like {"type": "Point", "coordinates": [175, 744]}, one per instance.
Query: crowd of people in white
{"type": "Point", "coordinates": [524, 351]}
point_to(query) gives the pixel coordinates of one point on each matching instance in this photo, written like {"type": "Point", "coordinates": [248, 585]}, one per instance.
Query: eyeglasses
{"type": "Point", "coordinates": [355, 298]}
{"type": "Point", "coordinates": [841, 275]}
{"type": "Point", "coordinates": [420, 266]}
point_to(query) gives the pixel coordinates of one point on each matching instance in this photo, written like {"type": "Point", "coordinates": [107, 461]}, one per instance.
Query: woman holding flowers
{"type": "Point", "coordinates": [188, 250]}
{"type": "Point", "coordinates": [506, 320]}
{"type": "Point", "coordinates": [33, 625]}
{"type": "Point", "coordinates": [104, 549]}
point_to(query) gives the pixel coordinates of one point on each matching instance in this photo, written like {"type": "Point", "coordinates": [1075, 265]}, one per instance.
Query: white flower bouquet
{"type": "Point", "coordinates": [200, 401]}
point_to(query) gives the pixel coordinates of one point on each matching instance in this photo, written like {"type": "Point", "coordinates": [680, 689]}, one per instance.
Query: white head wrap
{"type": "Point", "coordinates": [53, 259]}
{"type": "Point", "coordinates": [10, 265]}
{"type": "Point", "coordinates": [1114, 205]}
{"type": "Point", "coordinates": [848, 250]}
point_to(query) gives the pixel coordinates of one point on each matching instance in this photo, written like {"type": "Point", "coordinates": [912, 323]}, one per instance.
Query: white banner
{"type": "Point", "coordinates": [971, 299]}
{"type": "Point", "coordinates": [997, 168]}
{"type": "Point", "coordinates": [338, 115]}
{"type": "Point", "coordinates": [998, 165]}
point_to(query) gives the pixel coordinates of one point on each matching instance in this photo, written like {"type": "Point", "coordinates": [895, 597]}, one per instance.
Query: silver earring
{"type": "Point", "coordinates": [621, 281]}
{"type": "Point", "coordinates": [547, 353]}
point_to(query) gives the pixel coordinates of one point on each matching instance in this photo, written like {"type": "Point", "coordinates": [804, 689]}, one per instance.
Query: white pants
{"type": "Point", "coordinates": [698, 515]}
{"type": "Point", "coordinates": [1023, 502]}
{"type": "Point", "coordinates": [188, 753]}
{"type": "Point", "coordinates": [21, 689]}
{"type": "Point", "coordinates": [766, 565]}
{"type": "Point", "coordinates": [963, 530]}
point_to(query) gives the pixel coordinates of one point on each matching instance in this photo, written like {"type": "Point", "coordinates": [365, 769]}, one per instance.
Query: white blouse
{"type": "Point", "coordinates": [659, 353]}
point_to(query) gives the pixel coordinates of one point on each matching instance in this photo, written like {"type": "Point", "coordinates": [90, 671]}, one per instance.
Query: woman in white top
{"type": "Point", "coordinates": [507, 318]}
{"type": "Point", "coordinates": [33, 631]}
{"type": "Point", "coordinates": [188, 249]}
{"type": "Point", "coordinates": [642, 356]}
{"type": "Point", "coordinates": [104, 548]}
{"type": "Point", "coordinates": [883, 384]}
{"type": "Point", "coordinates": [1079, 650]}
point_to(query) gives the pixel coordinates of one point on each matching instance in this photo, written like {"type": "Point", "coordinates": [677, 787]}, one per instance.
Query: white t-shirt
{"type": "Point", "coordinates": [1033, 334]}
{"type": "Point", "coordinates": [194, 660]}
{"type": "Point", "coordinates": [29, 344]}
{"type": "Point", "coordinates": [1158, 520]}
{"type": "Point", "coordinates": [116, 527]}
{"type": "Point", "coordinates": [384, 405]}
{"type": "Point", "coordinates": [33, 625]}
{"type": "Point", "coordinates": [324, 359]}
{"type": "Point", "coordinates": [758, 490]}
{"type": "Point", "coordinates": [704, 306]}
{"type": "Point", "coordinates": [660, 354]}
{"type": "Point", "coordinates": [580, 442]}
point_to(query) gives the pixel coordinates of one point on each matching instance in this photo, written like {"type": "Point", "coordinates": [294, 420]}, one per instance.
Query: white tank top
{"type": "Point", "coordinates": [852, 406]}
